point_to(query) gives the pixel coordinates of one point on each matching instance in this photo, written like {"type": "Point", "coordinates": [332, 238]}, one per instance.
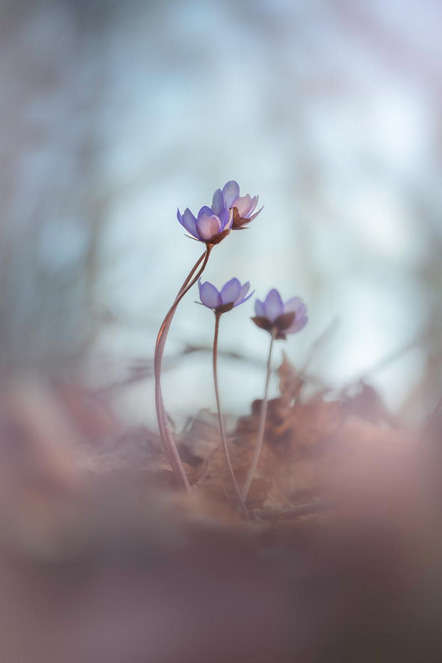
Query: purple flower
{"type": "Point", "coordinates": [209, 226]}
{"type": "Point", "coordinates": [276, 317]}
{"type": "Point", "coordinates": [243, 206]}
{"type": "Point", "coordinates": [220, 301]}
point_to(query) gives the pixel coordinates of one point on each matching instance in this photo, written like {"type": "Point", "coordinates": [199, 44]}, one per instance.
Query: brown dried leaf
{"type": "Point", "coordinates": [364, 401]}
{"type": "Point", "coordinates": [311, 424]}
{"type": "Point", "coordinates": [290, 383]}
{"type": "Point", "coordinates": [160, 470]}
{"type": "Point", "coordinates": [215, 478]}
{"type": "Point", "coordinates": [201, 438]}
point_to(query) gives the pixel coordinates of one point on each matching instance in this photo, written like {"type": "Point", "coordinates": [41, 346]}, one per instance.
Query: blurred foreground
{"type": "Point", "coordinates": [103, 561]}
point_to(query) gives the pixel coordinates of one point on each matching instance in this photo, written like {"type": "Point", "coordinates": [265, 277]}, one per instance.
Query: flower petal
{"type": "Point", "coordinates": [297, 306]}
{"type": "Point", "coordinates": [302, 311]}
{"type": "Point", "coordinates": [294, 304]}
{"type": "Point", "coordinates": [297, 325]}
{"type": "Point", "coordinates": [244, 290]}
{"type": "Point", "coordinates": [242, 299]}
{"type": "Point", "coordinates": [259, 308]}
{"type": "Point", "coordinates": [230, 192]}
{"type": "Point", "coordinates": [218, 202]}
{"type": "Point", "coordinates": [253, 216]}
{"type": "Point", "coordinates": [209, 295]}
{"type": "Point", "coordinates": [273, 305]}
{"type": "Point", "coordinates": [206, 210]}
{"type": "Point", "coordinates": [254, 204]}
{"type": "Point", "coordinates": [226, 219]}
{"type": "Point", "coordinates": [189, 222]}
{"type": "Point", "coordinates": [230, 291]}
{"type": "Point", "coordinates": [243, 205]}
{"type": "Point", "coordinates": [207, 226]}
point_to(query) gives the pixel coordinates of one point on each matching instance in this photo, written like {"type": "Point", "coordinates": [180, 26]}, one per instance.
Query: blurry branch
{"type": "Point", "coordinates": [143, 370]}
{"type": "Point", "coordinates": [320, 341]}
{"type": "Point", "coordinates": [389, 359]}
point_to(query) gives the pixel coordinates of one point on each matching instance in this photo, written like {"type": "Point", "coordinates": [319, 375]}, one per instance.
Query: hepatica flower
{"type": "Point", "coordinates": [209, 226]}
{"type": "Point", "coordinates": [280, 318]}
{"type": "Point", "coordinates": [243, 207]}
{"type": "Point", "coordinates": [220, 301]}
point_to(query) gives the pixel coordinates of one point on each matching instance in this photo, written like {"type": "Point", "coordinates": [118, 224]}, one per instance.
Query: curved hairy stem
{"type": "Point", "coordinates": [220, 418]}
{"type": "Point", "coordinates": [163, 425]}
{"type": "Point", "coordinates": [262, 424]}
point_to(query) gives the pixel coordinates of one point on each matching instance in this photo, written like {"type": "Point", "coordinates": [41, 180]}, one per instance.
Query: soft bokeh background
{"type": "Point", "coordinates": [115, 113]}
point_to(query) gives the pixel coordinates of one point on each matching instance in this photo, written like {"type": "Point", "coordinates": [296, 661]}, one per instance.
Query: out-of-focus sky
{"type": "Point", "coordinates": [116, 113]}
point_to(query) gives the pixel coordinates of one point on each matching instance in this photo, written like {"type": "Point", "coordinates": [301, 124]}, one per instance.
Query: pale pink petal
{"type": "Point", "coordinates": [207, 226]}
{"type": "Point", "coordinates": [243, 205]}
{"type": "Point", "coordinates": [254, 204]}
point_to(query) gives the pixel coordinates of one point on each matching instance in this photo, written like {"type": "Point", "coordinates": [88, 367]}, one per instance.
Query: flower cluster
{"type": "Point", "coordinates": [229, 211]}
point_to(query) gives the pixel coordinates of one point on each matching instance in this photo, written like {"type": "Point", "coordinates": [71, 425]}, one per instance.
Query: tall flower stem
{"type": "Point", "coordinates": [262, 423]}
{"type": "Point", "coordinates": [220, 418]}
{"type": "Point", "coordinates": [163, 425]}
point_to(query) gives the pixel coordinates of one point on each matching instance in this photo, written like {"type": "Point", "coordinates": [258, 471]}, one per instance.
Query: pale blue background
{"type": "Point", "coordinates": [115, 113]}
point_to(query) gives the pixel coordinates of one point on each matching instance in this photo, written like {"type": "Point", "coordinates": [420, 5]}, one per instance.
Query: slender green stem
{"type": "Point", "coordinates": [220, 418]}
{"type": "Point", "coordinates": [163, 425]}
{"type": "Point", "coordinates": [262, 424]}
